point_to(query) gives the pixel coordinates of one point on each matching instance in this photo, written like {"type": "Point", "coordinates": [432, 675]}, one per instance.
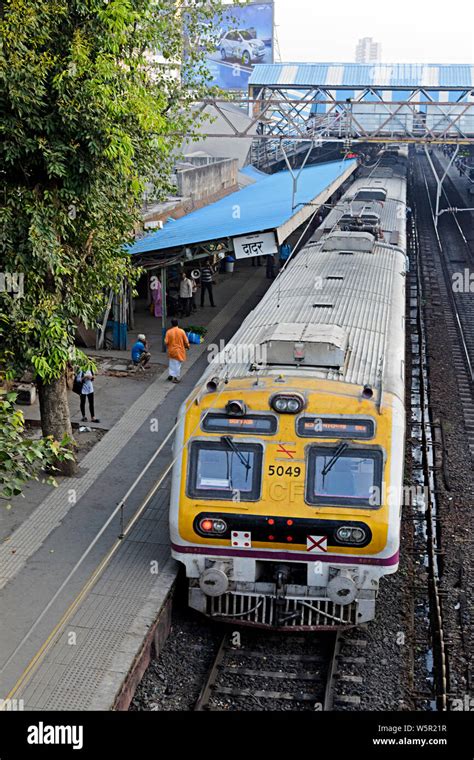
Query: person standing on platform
{"type": "Point", "coordinates": [87, 391]}
{"type": "Point", "coordinates": [206, 283]}
{"type": "Point", "coordinates": [177, 344]}
{"type": "Point", "coordinates": [193, 297]}
{"type": "Point", "coordinates": [285, 253]}
{"type": "Point", "coordinates": [270, 266]}
{"type": "Point", "coordinates": [185, 294]}
{"type": "Point", "coordinates": [156, 296]}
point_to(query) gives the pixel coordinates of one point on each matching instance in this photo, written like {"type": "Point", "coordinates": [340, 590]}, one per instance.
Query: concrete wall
{"type": "Point", "coordinates": [182, 206]}
{"type": "Point", "coordinates": [206, 180]}
{"type": "Point", "coordinates": [223, 147]}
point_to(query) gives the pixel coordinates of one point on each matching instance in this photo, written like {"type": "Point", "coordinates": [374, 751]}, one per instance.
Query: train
{"type": "Point", "coordinates": [289, 455]}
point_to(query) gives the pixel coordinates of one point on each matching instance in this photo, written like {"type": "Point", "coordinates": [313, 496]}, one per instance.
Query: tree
{"type": "Point", "coordinates": [23, 458]}
{"type": "Point", "coordinates": [88, 116]}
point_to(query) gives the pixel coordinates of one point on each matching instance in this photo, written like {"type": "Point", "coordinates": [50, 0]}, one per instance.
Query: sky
{"type": "Point", "coordinates": [410, 31]}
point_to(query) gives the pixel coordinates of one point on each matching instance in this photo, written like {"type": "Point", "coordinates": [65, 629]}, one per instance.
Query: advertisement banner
{"type": "Point", "coordinates": [245, 37]}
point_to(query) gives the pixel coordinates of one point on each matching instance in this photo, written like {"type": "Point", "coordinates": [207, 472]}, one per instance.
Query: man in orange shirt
{"type": "Point", "coordinates": [176, 343]}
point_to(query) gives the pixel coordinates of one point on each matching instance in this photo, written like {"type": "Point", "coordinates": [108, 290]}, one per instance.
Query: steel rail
{"type": "Point", "coordinates": [462, 336]}
{"type": "Point", "coordinates": [427, 433]}
{"type": "Point", "coordinates": [321, 689]}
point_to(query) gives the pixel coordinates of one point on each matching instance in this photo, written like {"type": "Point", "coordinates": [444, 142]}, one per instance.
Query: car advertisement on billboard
{"type": "Point", "coordinates": [244, 38]}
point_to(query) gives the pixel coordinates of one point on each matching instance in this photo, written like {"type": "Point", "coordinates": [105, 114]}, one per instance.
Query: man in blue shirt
{"type": "Point", "coordinates": [140, 354]}
{"type": "Point", "coordinates": [285, 253]}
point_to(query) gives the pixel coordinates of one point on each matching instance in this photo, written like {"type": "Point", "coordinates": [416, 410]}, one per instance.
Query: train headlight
{"type": "Point", "coordinates": [348, 534]}
{"type": "Point", "coordinates": [236, 407]}
{"type": "Point", "coordinates": [280, 404]}
{"type": "Point", "coordinates": [343, 534]}
{"type": "Point", "coordinates": [287, 403]}
{"type": "Point", "coordinates": [212, 526]}
{"type": "Point", "coordinates": [358, 535]}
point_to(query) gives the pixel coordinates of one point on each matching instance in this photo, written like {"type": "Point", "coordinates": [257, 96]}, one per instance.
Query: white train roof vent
{"type": "Point", "coordinates": [349, 241]}
{"type": "Point", "coordinates": [313, 345]}
{"type": "Point", "coordinates": [371, 193]}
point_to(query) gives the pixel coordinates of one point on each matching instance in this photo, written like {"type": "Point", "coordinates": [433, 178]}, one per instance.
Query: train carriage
{"type": "Point", "coordinates": [286, 490]}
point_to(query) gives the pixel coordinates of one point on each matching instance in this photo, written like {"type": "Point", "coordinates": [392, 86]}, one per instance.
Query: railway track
{"type": "Point", "coordinates": [446, 255]}
{"type": "Point", "coordinates": [257, 671]}
{"type": "Point", "coordinates": [427, 597]}
{"type": "Point", "coordinates": [441, 252]}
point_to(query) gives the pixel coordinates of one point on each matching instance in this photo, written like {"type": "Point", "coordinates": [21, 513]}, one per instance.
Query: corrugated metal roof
{"type": "Point", "coordinates": [368, 302]}
{"type": "Point", "coordinates": [392, 211]}
{"type": "Point", "coordinates": [266, 205]}
{"type": "Point", "coordinates": [433, 75]}
{"type": "Point", "coordinates": [363, 303]}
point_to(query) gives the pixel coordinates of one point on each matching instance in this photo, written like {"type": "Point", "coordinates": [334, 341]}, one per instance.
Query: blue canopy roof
{"type": "Point", "coordinates": [410, 75]}
{"type": "Point", "coordinates": [254, 173]}
{"type": "Point", "coordinates": [266, 205]}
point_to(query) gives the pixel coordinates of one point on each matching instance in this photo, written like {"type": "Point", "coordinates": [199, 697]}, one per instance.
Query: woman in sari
{"type": "Point", "coordinates": [156, 295]}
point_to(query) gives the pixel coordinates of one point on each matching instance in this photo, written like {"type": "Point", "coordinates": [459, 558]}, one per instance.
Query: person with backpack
{"type": "Point", "coordinates": [83, 385]}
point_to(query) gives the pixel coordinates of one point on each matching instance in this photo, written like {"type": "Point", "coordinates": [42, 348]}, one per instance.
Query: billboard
{"type": "Point", "coordinates": [244, 38]}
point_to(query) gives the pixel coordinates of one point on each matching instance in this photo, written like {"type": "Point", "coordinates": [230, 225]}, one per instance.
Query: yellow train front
{"type": "Point", "coordinates": [285, 504]}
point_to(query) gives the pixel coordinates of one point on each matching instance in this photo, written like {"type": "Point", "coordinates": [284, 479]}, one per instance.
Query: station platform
{"type": "Point", "coordinates": [462, 183]}
{"type": "Point", "coordinates": [80, 605]}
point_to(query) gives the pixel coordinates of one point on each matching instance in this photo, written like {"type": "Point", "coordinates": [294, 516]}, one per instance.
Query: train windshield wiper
{"type": "Point", "coordinates": [337, 453]}
{"type": "Point", "coordinates": [230, 443]}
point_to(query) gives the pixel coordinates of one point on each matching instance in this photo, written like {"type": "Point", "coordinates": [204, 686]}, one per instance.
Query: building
{"type": "Point", "coordinates": [368, 51]}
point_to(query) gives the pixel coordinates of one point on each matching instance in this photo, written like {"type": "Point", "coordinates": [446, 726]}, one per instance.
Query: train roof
{"type": "Point", "coordinates": [390, 211]}
{"type": "Point", "coordinates": [358, 292]}
{"type": "Point", "coordinates": [342, 294]}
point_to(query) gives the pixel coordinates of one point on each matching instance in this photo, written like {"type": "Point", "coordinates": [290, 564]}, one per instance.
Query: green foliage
{"type": "Point", "coordinates": [21, 458]}
{"type": "Point", "coordinates": [88, 116]}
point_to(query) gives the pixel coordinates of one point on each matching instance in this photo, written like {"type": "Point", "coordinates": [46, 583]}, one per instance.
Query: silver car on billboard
{"type": "Point", "coordinates": [242, 45]}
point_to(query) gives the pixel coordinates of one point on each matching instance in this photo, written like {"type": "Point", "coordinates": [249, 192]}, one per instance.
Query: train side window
{"type": "Point", "coordinates": [344, 476]}
{"type": "Point", "coordinates": [225, 470]}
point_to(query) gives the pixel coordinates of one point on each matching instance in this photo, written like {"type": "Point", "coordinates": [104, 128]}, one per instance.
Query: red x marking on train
{"type": "Point", "coordinates": [317, 543]}
{"type": "Point", "coordinates": [289, 452]}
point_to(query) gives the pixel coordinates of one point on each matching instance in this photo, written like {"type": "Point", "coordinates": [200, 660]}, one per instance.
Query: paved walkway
{"type": "Point", "coordinates": [82, 664]}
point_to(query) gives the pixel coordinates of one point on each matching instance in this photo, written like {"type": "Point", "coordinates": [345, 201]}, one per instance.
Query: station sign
{"type": "Point", "coordinates": [259, 244]}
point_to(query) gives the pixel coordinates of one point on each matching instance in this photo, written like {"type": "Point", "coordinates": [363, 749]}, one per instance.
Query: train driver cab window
{"type": "Point", "coordinates": [221, 469]}
{"type": "Point", "coordinates": [341, 474]}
